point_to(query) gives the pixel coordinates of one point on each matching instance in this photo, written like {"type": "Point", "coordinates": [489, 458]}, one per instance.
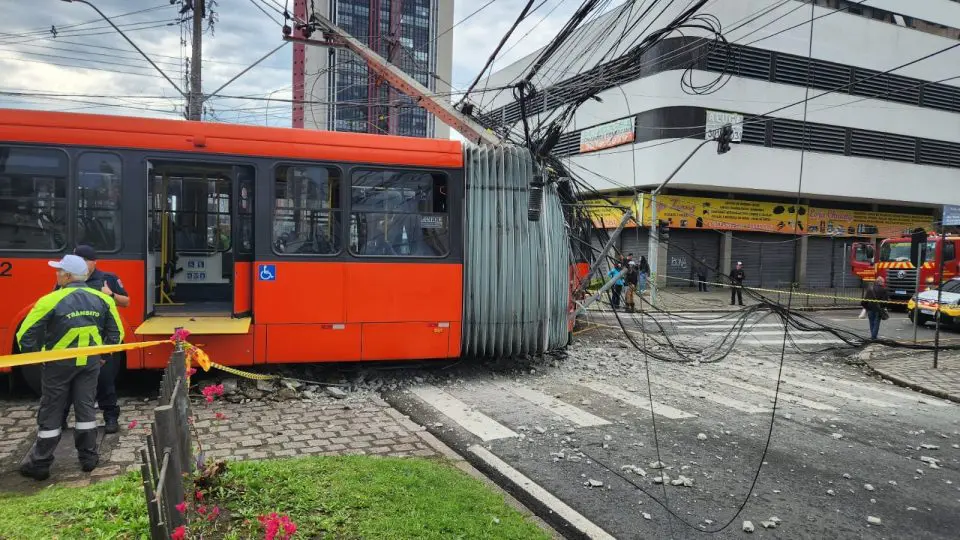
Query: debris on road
{"type": "Point", "coordinates": [873, 520]}
{"type": "Point", "coordinates": [593, 483]}
{"type": "Point", "coordinates": [748, 526]}
{"type": "Point", "coordinates": [646, 516]}
{"type": "Point", "coordinates": [768, 524]}
{"type": "Point", "coordinates": [701, 436]}
{"type": "Point", "coordinates": [682, 481]}
{"type": "Point", "coordinates": [656, 465]}
{"type": "Point", "coordinates": [929, 447]}
{"type": "Point", "coordinates": [335, 392]}
{"type": "Point", "coordinates": [868, 487]}
{"type": "Point", "coordinates": [831, 492]}
{"type": "Point", "coordinates": [846, 475]}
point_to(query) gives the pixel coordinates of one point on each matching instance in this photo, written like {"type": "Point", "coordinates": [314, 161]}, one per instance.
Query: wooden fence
{"type": "Point", "coordinates": [168, 454]}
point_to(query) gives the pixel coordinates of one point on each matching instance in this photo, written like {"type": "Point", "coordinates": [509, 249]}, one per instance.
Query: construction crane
{"type": "Point", "coordinates": [334, 36]}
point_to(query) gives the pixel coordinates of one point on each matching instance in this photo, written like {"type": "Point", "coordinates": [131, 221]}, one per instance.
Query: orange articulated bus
{"type": "Point", "coordinates": [270, 245]}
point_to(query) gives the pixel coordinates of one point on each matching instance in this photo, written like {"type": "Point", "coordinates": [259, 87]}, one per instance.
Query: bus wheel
{"type": "Point", "coordinates": [31, 375]}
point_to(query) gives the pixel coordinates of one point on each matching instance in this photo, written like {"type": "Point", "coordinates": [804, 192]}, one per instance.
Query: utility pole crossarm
{"type": "Point", "coordinates": [436, 105]}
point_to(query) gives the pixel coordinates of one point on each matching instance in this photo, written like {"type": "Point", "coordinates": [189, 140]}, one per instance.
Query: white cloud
{"type": "Point", "coordinates": [91, 60]}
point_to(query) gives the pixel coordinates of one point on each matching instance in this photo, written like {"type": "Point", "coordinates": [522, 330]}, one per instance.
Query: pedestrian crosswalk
{"type": "Point", "coordinates": [499, 409]}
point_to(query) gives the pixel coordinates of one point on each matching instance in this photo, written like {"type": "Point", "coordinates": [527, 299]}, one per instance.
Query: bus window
{"type": "Point", "coordinates": [399, 214]}
{"type": "Point", "coordinates": [33, 198]}
{"type": "Point", "coordinates": [306, 212]}
{"type": "Point", "coordinates": [98, 201]}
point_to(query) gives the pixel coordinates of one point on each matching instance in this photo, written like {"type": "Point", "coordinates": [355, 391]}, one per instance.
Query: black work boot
{"type": "Point", "coordinates": [88, 464]}
{"type": "Point", "coordinates": [33, 471]}
{"type": "Point", "coordinates": [111, 425]}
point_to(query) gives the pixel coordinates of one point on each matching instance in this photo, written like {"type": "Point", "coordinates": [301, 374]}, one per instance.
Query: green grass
{"type": "Point", "coordinates": [327, 497]}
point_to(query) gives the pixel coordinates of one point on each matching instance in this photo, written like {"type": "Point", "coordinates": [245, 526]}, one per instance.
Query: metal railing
{"type": "Point", "coordinates": [168, 454]}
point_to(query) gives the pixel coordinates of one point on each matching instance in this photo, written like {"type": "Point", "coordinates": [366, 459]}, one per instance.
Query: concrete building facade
{"type": "Point", "coordinates": [880, 146]}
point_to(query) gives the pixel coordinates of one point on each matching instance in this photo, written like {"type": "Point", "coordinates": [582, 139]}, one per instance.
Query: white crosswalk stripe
{"type": "Point", "coordinates": [574, 414]}
{"type": "Point", "coordinates": [719, 399]}
{"type": "Point", "coordinates": [786, 396]}
{"type": "Point", "coordinates": [475, 422]}
{"type": "Point", "coordinates": [817, 387]}
{"type": "Point", "coordinates": [637, 400]}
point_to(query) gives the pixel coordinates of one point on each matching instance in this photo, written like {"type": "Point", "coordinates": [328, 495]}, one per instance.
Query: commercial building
{"type": "Point", "coordinates": [881, 151]}
{"type": "Point", "coordinates": [339, 91]}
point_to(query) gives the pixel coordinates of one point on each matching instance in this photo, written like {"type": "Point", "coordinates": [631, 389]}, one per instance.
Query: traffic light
{"type": "Point", "coordinates": [663, 230]}
{"type": "Point", "coordinates": [918, 241]}
{"type": "Point", "coordinates": [724, 138]}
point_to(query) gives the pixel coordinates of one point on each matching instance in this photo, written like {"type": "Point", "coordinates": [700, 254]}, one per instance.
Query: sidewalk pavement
{"type": "Point", "coordinates": [914, 369]}
{"type": "Point", "coordinates": [361, 424]}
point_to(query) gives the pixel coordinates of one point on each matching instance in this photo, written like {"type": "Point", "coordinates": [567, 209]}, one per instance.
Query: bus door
{"type": "Point", "coordinates": [243, 238]}
{"type": "Point", "coordinates": [193, 215]}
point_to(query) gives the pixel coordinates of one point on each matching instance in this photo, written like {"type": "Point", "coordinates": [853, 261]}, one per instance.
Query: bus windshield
{"type": "Point", "coordinates": [900, 252]}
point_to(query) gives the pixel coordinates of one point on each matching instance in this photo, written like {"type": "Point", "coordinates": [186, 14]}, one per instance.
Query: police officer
{"type": "Point", "coordinates": [72, 316]}
{"type": "Point", "coordinates": [108, 283]}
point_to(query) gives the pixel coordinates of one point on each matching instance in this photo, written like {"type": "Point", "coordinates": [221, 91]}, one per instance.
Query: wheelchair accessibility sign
{"type": "Point", "coordinates": [267, 272]}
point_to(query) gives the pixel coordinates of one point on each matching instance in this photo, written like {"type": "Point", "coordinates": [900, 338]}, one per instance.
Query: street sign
{"type": "Point", "coordinates": [951, 214]}
{"type": "Point", "coordinates": [267, 272]}
{"type": "Point", "coordinates": [718, 119]}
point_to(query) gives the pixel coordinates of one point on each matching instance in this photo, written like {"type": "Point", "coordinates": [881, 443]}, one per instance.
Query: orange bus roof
{"type": "Point", "coordinates": [58, 128]}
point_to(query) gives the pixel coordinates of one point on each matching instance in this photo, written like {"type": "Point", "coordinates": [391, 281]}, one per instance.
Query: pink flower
{"type": "Point", "coordinates": [182, 507]}
{"type": "Point", "coordinates": [211, 391]}
{"type": "Point", "coordinates": [213, 513]}
{"type": "Point", "coordinates": [202, 509]}
{"type": "Point", "coordinates": [198, 495]}
{"type": "Point", "coordinates": [180, 334]}
{"type": "Point", "coordinates": [179, 533]}
{"type": "Point", "coordinates": [220, 416]}
{"type": "Point", "coordinates": [273, 524]}
{"type": "Point", "coordinates": [208, 398]}
{"type": "Point", "coordinates": [132, 424]}
{"type": "Point", "coordinates": [191, 372]}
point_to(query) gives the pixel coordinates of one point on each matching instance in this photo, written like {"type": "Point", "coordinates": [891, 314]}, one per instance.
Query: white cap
{"type": "Point", "coordinates": [739, 262]}
{"type": "Point", "coordinates": [70, 264]}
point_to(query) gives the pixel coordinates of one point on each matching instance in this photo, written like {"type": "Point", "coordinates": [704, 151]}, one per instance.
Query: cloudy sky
{"type": "Point", "coordinates": [88, 67]}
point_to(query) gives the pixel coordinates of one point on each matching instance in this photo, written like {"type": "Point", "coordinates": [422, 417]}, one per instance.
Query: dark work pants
{"type": "Point", "coordinates": [615, 301]}
{"type": "Point", "coordinates": [736, 293]}
{"type": "Point", "coordinates": [106, 389]}
{"type": "Point", "coordinates": [59, 380]}
{"type": "Point", "coordinates": [701, 283]}
{"type": "Point", "coordinates": [874, 317]}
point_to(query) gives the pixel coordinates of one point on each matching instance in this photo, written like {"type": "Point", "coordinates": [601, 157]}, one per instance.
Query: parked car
{"type": "Point", "coordinates": [949, 304]}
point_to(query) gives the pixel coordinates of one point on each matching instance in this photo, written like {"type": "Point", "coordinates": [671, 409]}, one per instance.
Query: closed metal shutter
{"type": "Point", "coordinates": [843, 276]}
{"type": "Point", "coordinates": [635, 241]}
{"type": "Point", "coordinates": [684, 251]}
{"type": "Point", "coordinates": [767, 258]}
{"type": "Point", "coordinates": [819, 262]}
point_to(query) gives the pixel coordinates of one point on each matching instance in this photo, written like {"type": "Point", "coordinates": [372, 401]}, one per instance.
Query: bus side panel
{"type": "Point", "coordinates": [24, 281]}
{"type": "Point", "coordinates": [402, 292]}
{"type": "Point", "coordinates": [131, 274]}
{"type": "Point", "coordinates": [229, 350]}
{"type": "Point", "coordinates": [300, 293]}
{"type": "Point", "coordinates": [405, 341]}
{"type": "Point", "coordinates": [313, 343]}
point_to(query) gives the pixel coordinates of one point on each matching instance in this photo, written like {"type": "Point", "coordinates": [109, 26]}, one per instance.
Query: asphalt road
{"type": "Point", "coordinates": [574, 439]}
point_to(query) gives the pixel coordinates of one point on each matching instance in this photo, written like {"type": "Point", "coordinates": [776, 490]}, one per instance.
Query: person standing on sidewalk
{"type": "Point", "coordinates": [73, 316]}
{"type": "Point", "coordinates": [643, 273]}
{"type": "Point", "coordinates": [702, 274]}
{"type": "Point", "coordinates": [737, 275]}
{"type": "Point", "coordinates": [108, 283]}
{"type": "Point", "coordinates": [873, 301]}
{"type": "Point", "coordinates": [633, 275]}
{"type": "Point", "coordinates": [617, 288]}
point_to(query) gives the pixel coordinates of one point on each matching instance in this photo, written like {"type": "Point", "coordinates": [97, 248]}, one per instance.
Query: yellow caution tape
{"type": "Point", "coordinates": [42, 357]}
{"type": "Point", "coordinates": [244, 374]}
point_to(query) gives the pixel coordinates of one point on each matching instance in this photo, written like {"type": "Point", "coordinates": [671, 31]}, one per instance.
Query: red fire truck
{"type": "Point", "coordinates": [892, 262]}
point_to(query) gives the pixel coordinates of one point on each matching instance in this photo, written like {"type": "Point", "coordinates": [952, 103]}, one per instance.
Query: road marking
{"type": "Point", "coordinates": [475, 422]}
{"type": "Point", "coordinates": [576, 415]}
{"type": "Point", "coordinates": [584, 526]}
{"type": "Point", "coordinates": [790, 398]}
{"type": "Point", "coordinates": [768, 333]}
{"type": "Point", "coordinates": [832, 392]}
{"type": "Point", "coordinates": [728, 327]}
{"type": "Point", "coordinates": [636, 400]}
{"type": "Point", "coordinates": [778, 342]}
{"type": "Point", "coordinates": [710, 396]}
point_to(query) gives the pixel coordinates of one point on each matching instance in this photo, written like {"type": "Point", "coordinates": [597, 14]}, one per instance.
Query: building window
{"type": "Point", "coordinates": [98, 200]}
{"type": "Point", "coordinates": [33, 198]}
{"type": "Point", "coordinates": [399, 214]}
{"type": "Point", "coordinates": [306, 213]}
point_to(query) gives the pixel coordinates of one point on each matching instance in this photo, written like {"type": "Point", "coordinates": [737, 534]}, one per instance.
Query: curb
{"type": "Point", "coordinates": [914, 386]}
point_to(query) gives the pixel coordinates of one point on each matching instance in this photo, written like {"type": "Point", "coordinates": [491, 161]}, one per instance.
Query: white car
{"type": "Point", "coordinates": [949, 300]}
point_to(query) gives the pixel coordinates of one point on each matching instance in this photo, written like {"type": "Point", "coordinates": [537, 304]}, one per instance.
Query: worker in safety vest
{"type": "Point", "coordinates": [108, 283]}
{"type": "Point", "coordinates": [73, 316]}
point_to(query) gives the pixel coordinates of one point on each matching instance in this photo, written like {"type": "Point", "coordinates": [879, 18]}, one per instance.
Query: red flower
{"type": "Point", "coordinates": [202, 509]}
{"type": "Point", "coordinates": [191, 372]}
{"type": "Point", "coordinates": [209, 392]}
{"type": "Point", "coordinates": [182, 507]}
{"type": "Point", "coordinates": [198, 496]}
{"type": "Point", "coordinates": [180, 334]}
{"type": "Point", "coordinates": [179, 533]}
{"type": "Point", "coordinates": [132, 424]}
{"type": "Point", "coordinates": [220, 416]}
{"type": "Point", "coordinates": [213, 513]}
{"type": "Point", "coordinates": [273, 524]}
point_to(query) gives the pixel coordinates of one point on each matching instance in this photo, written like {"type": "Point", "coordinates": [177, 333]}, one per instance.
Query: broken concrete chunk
{"type": "Point", "coordinates": [831, 492]}
{"type": "Point", "coordinates": [748, 526]}
{"type": "Point", "coordinates": [928, 459]}
{"type": "Point", "coordinates": [873, 520]}
{"type": "Point", "coordinates": [768, 524]}
{"type": "Point", "coordinates": [593, 483]}
{"type": "Point", "coordinates": [837, 435]}
{"type": "Point", "coordinates": [868, 487]}
{"type": "Point", "coordinates": [656, 465]}
{"type": "Point", "coordinates": [335, 392]}
{"type": "Point", "coordinates": [540, 430]}
{"type": "Point", "coordinates": [775, 519]}
{"type": "Point", "coordinates": [929, 447]}
{"type": "Point", "coordinates": [646, 516]}
{"type": "Point", "coordinates": [846, 475]}
{"type": "Point", "coordinates": [701, 436]}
